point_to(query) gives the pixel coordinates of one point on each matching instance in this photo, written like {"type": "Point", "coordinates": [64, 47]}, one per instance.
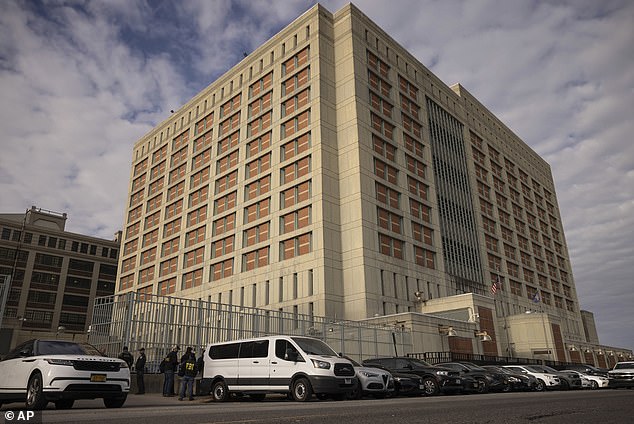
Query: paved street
{"type": "Point", "coordinates": [579, 407]}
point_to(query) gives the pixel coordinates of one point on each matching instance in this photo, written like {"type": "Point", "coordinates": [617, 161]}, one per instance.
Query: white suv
{"type": "Point", "coordinates": [622, 375]}
{"type": "Point", "coordinates": [544, 380]}
{"type": "Point", "coordinates": [60, 371]}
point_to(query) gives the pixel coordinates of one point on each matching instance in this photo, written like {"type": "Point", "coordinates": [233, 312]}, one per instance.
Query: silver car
{"type": "Point", "coordinates": [375, 382]}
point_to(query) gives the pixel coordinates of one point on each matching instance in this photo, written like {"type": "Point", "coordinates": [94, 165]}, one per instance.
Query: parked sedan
{"type": "Point", "coordinates": [568, 380]}
{"type": "Point", "coordinates": [373, 381]}
{"type": "Point", "coordinates": [585, 369]}
{"type": "Point", "coordinates": [489, 380]}
{"type": "Point", "coordinates": [404, 384]}
{"type": "Point", "coordinates": [41, 371]}
{"type": "Point", "coordinates": [518, 382]}
{"type": "Point", "coordinates": [590, 381]}
{"type": "Point", "coordinates": [545, 381]}
{"type": "Point", "coordinates": [435, 379]}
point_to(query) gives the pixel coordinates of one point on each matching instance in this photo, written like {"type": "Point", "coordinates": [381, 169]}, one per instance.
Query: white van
{"type": "Point", "coordinates": [297, 365]}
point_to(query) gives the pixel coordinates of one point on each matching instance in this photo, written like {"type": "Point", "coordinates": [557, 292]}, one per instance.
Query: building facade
{"type": "Point", "coordinates": [331, 173]}
{"type": "Point", "coordinates": [55, 276]}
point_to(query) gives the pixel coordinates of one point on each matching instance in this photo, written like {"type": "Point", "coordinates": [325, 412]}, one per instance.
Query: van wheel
{"type": "Point", "coordinates": [302, 391]}
{"type": "Point", "coordinates": [357, 393]}
{"type": "Point", "coordinates": [35, 399]}
{"type": "Point", "coordinates": [219, 391]}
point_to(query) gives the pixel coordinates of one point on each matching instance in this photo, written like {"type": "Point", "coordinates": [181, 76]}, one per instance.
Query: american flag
{"type": "Point", "coordinates": [495, 286]}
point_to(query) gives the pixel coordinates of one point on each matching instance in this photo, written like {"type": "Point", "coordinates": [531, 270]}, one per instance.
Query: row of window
{"type": "Point", "coordinates": [58, 243]}
{"type": "Point", "coordinates": [288, 249]}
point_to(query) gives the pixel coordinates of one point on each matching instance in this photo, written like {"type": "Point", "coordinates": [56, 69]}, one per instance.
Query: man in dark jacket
{"type": "Point", "coordinates": [171, 365]}
{"type": "Point", "coordinates": [139, 366]}
{"type": "Point", "coordinates": [188, 371]}
{"type": "Point", "coordinates": [126, 356]}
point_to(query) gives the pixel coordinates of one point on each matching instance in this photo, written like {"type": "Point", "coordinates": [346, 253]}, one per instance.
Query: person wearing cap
{"type": "Point", "coordinates": [171, 366]}
{"type": "Point", "coordinates": [188, 373]}
{"type": "Point", "coordinates": [186, 355]}
{"type": "Point", "coordinates": [139, 366]}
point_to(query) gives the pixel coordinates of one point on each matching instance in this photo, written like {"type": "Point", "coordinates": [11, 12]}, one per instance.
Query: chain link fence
{"type": "Point", "coordinates": [157, 323]}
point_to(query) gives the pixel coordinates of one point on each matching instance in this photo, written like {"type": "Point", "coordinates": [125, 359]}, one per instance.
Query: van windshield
{"type": "Point", "coordinates": [314, 346]}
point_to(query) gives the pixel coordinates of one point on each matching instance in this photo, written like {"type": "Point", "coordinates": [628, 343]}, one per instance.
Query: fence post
{"type": "Point", "coordinates": [128, 318]}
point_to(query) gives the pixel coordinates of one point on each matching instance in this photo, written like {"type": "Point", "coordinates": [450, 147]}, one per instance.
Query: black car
{"type": "Point", "coordinates": [517, 382]}
{"type": "Point", "coordinates": [489, 380]}
{"type": "Point", "coordinates": [569, 380]}
{"type": "Point", "coordinates": [435, 379]}
{"type": "Point", "coordinates": [585, 369]}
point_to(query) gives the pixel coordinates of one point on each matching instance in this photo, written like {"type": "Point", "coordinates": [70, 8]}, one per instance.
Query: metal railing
{"type": "Point", "coordinates": [157, 323]}
{"type": "Point", "coordinates": [439, 357]}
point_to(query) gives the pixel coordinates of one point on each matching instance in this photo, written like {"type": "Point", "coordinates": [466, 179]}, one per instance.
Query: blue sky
{"type": "Point", "coordinates": [81, 81]}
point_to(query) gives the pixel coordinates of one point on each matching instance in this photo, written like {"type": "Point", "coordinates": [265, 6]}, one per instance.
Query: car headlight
{"type": "Point", "coordinates": [123, 364]}
{"type": "Point", "coordinates": [368, 374]}
{"type": "Point", "coordinates": [441, 372]}
{"type": "Point", "coordinates": [321, 364]}
{"type": "Point", "coordinates": [55, 361]}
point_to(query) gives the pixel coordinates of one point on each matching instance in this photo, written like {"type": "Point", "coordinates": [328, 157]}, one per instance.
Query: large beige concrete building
{"type": "Point", "coordinates": [54, 276]}
{"type": "Point", "coordinates": [331, 173]}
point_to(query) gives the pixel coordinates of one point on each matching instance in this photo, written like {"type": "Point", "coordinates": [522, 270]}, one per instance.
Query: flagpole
{"type": "Point", "coordinates": [537, 298]}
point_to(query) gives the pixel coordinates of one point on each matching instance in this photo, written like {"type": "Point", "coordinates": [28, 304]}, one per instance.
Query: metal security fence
{"type": "Point", "coordinates": [157, 323]}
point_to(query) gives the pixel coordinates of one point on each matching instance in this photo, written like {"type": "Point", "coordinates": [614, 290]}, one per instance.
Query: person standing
{"type": "Point", "coordinates": [126, 356]}
{"type": "Point", "coordinates": [139, 366]}
{"type": "Point", "coordinates": [171, 363]}
{"type": "Point", "coordinates": [200, 364]}
{"type": "Point", "coordinates": [188, 369]}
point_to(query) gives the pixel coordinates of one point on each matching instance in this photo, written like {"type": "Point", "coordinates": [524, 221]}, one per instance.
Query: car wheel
{"type": "Point", "coordinates": [540, 386]}
{"type": "Point", "coordinates": [219, 391]}
{"type": "Point", "coordinates": [483, 386]}
{"type": "Point", "coordinates": [356, 393]}
{"type": "Point", "coordinates": [506, 388]}
{"type": "Point", "coordinates": [64, 404]}
{"type": "Point", "coordinates": [594, 385]}
{"type": "Point", "coordinates": [116, 402]}
{"type": "Point", "coordinates": [564, 385]}
{"type": "Point", "coordinates": [34, 395]}
{"type": "Point", "coordinates": [302, 391]}
{"type": "Point", "coordinates": [430, 386]}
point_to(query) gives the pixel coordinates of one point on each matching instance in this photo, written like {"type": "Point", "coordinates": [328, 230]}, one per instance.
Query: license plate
{"type": "Point", "coordinates": [348, 381]}
{"type": "Point", "coordinates": [97, 378]}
